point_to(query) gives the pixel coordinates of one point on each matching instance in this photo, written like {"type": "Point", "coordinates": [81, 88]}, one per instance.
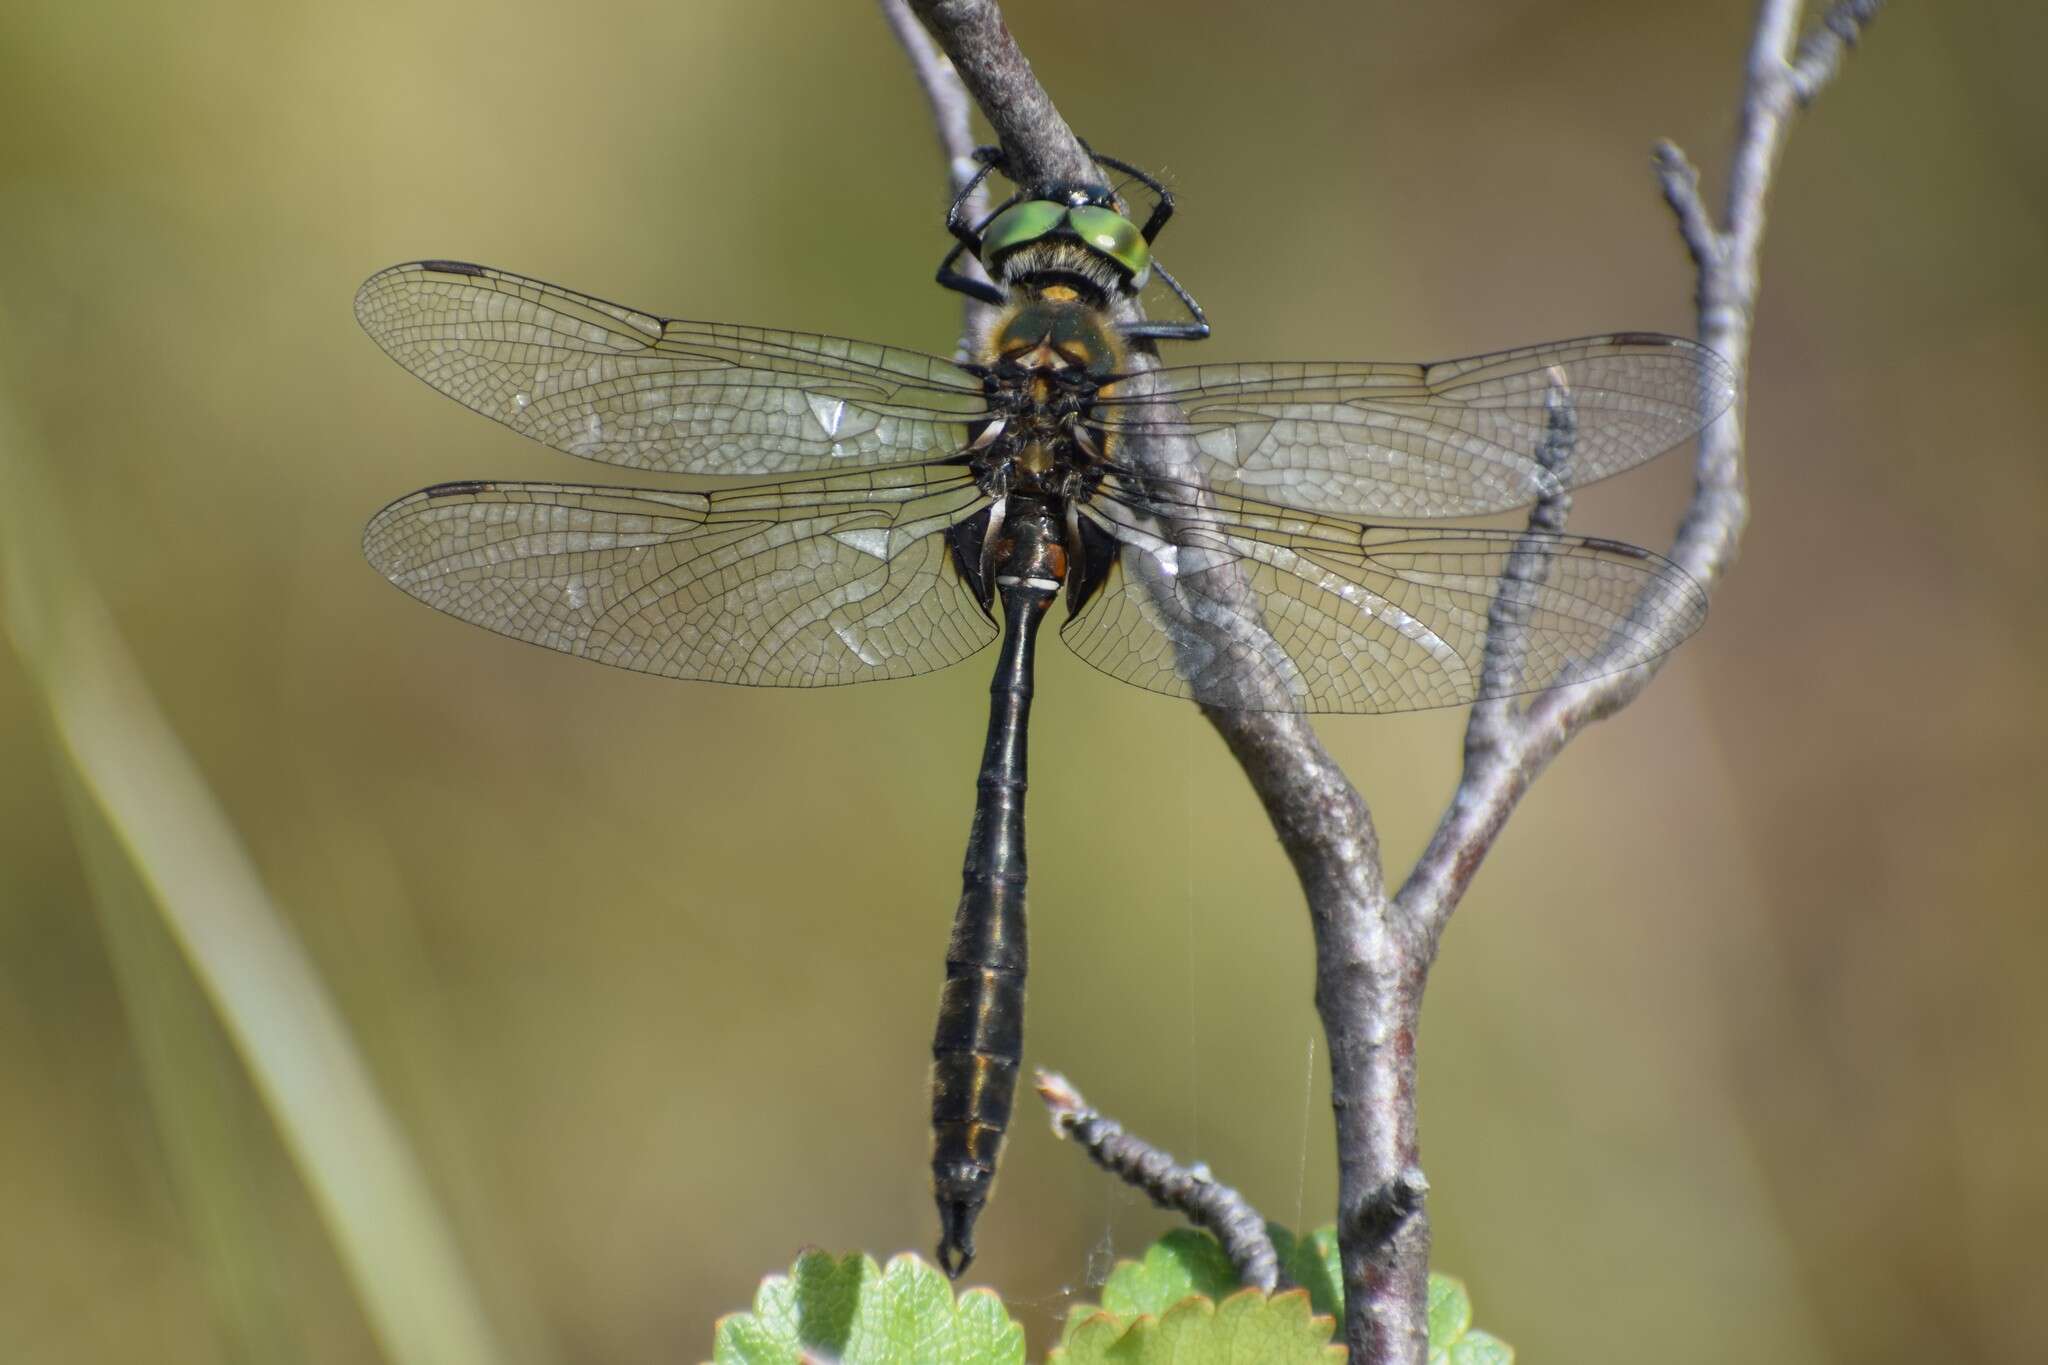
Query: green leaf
{"type": "Point", "coordinates": [1247, 1328]}
{"type": "Point", "coordinates": [854, 1311]}
{"type": "Point", "coordinates": [1181, 1263]}
{"type": "Point", "coordinates": [1450, 1311]}
{"type": "Point", "coordinates": [1180, 1305]}
{"type": "Point", "coordinates": [1452, 1338]}
{"type": "Point", "coordinates": [1313, 1263]}
{"type": "Point", "coordinates": [1481, 1348]}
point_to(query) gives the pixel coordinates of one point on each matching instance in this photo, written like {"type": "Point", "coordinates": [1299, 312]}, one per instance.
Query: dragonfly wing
{"type": "Point", "coordinates": [1258, 607]}
{"type": "Point", "coordinates": [623, 387]}
{"type": "Point", "coordinates": [805, 584]}
{"type": "Point", "coordinates": [1456, 438]}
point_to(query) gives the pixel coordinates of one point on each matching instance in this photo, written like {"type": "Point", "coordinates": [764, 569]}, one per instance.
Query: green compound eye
{"type": "Point", "coordinates": [1018, 225]}
{"type": "Point", "coordinates": [1116, 237]}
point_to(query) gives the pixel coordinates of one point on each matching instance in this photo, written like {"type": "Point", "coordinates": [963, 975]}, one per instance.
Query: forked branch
{"type": "Point", "coordinates": [1372, 953]}
{"type": "Point", "coordinates": [1504, 754]}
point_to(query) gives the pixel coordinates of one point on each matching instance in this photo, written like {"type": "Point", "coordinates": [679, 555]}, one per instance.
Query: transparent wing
{"type": "Point", "coordinates": [804, 584]}
{"type": "Point", "coordinates": [1456, 438]}
{"type": "Point", "coordinates": [1253, 606]}
{"type": "Point", "coordinates": [628, 388]}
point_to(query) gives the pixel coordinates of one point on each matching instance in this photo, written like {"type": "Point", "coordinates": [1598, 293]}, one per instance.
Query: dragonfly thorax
{"type": "Point", "coordinates": [1054, 329]}
{"type": "Point", "coordinates": [1048, 359]}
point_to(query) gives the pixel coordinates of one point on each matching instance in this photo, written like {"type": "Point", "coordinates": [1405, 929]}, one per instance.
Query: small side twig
{"type": "Point", "coordinates": [1507, 620]}
{"type": "Point", "coordinates": [952, 111]}
{"type": "Point", "coordinates": [1377, 1221]}
{"type": "Point", "coordinates": [1821, 51]}
{"type": "Point", "coordinates": [952, 118]}
{"type": "Point", "coordinates": [1680, 180]}
{"type": "Point", "coordinates": [1190, 1191]}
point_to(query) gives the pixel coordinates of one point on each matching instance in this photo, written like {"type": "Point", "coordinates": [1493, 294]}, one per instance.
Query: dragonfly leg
{"type": "Point", "coordinates": [1195, 330]}
{"type": "Point", "coordinates": [1162, 197]}
{"type": "Point", "coordinates": [967, 236]}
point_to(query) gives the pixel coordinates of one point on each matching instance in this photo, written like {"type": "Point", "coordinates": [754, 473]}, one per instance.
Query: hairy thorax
{"type": "Point", "coordinates": [1048, 356]}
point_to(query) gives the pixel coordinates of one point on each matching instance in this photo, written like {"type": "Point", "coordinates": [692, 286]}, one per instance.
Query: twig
{"type": "Point", "coordinates": [1681, 182]}
{"type": "Point", "coordinates": [1500, 767]}
{"type": "Point", "coordinates": [1822, 50]}
{"type": "Point", "coordinates": [1521, 580]}
{"type": "Point", "coordinates": [1041, 148]}
{"type": "Point", "coordinates": [1187, 1190]}
{"type": "Point", "coordinates": [952, 117]}
{"type": "Point", "coordinates": [952, 111]}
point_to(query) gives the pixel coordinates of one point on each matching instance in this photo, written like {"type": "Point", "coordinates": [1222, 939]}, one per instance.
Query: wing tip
{"type": "Point", "coordinates": [1717, 377]}
{"type": "Point", "coordinates": [376, 545]}
{"type": "Point", "coordinates": [375, 283]}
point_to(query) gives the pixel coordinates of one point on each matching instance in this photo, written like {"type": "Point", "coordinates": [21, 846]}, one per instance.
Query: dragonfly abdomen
{"type": "Point", "coordinates": [980, 1036]}
{"type": "Point", "coordinates": [975, 1056]}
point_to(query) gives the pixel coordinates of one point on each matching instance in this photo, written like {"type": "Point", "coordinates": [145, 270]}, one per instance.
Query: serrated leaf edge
{"type": "Point", "coordinates": [1202, 1305]}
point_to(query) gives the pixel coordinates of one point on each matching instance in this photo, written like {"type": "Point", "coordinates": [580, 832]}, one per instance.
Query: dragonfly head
{"type": "Point", "coordinates": [1081, 232]}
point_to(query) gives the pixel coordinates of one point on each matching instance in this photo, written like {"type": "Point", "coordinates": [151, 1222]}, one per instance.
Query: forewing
{"type": "Point", "coordinates": [629, 388]}
{"type": "Point", "coordinates": [804, 584]}
{"type": "Point", "coordinates": [1261, 608]}
{"type": "Point", "coordinates": [1457, 438]}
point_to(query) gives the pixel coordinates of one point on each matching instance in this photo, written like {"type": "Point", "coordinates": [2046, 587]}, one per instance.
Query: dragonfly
{"type": "Point", "coordinates": [1247, 535]}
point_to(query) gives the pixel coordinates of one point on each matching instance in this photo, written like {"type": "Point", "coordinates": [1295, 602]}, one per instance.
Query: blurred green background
{"type": "Point", "coordinates": [1735, 1051]}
